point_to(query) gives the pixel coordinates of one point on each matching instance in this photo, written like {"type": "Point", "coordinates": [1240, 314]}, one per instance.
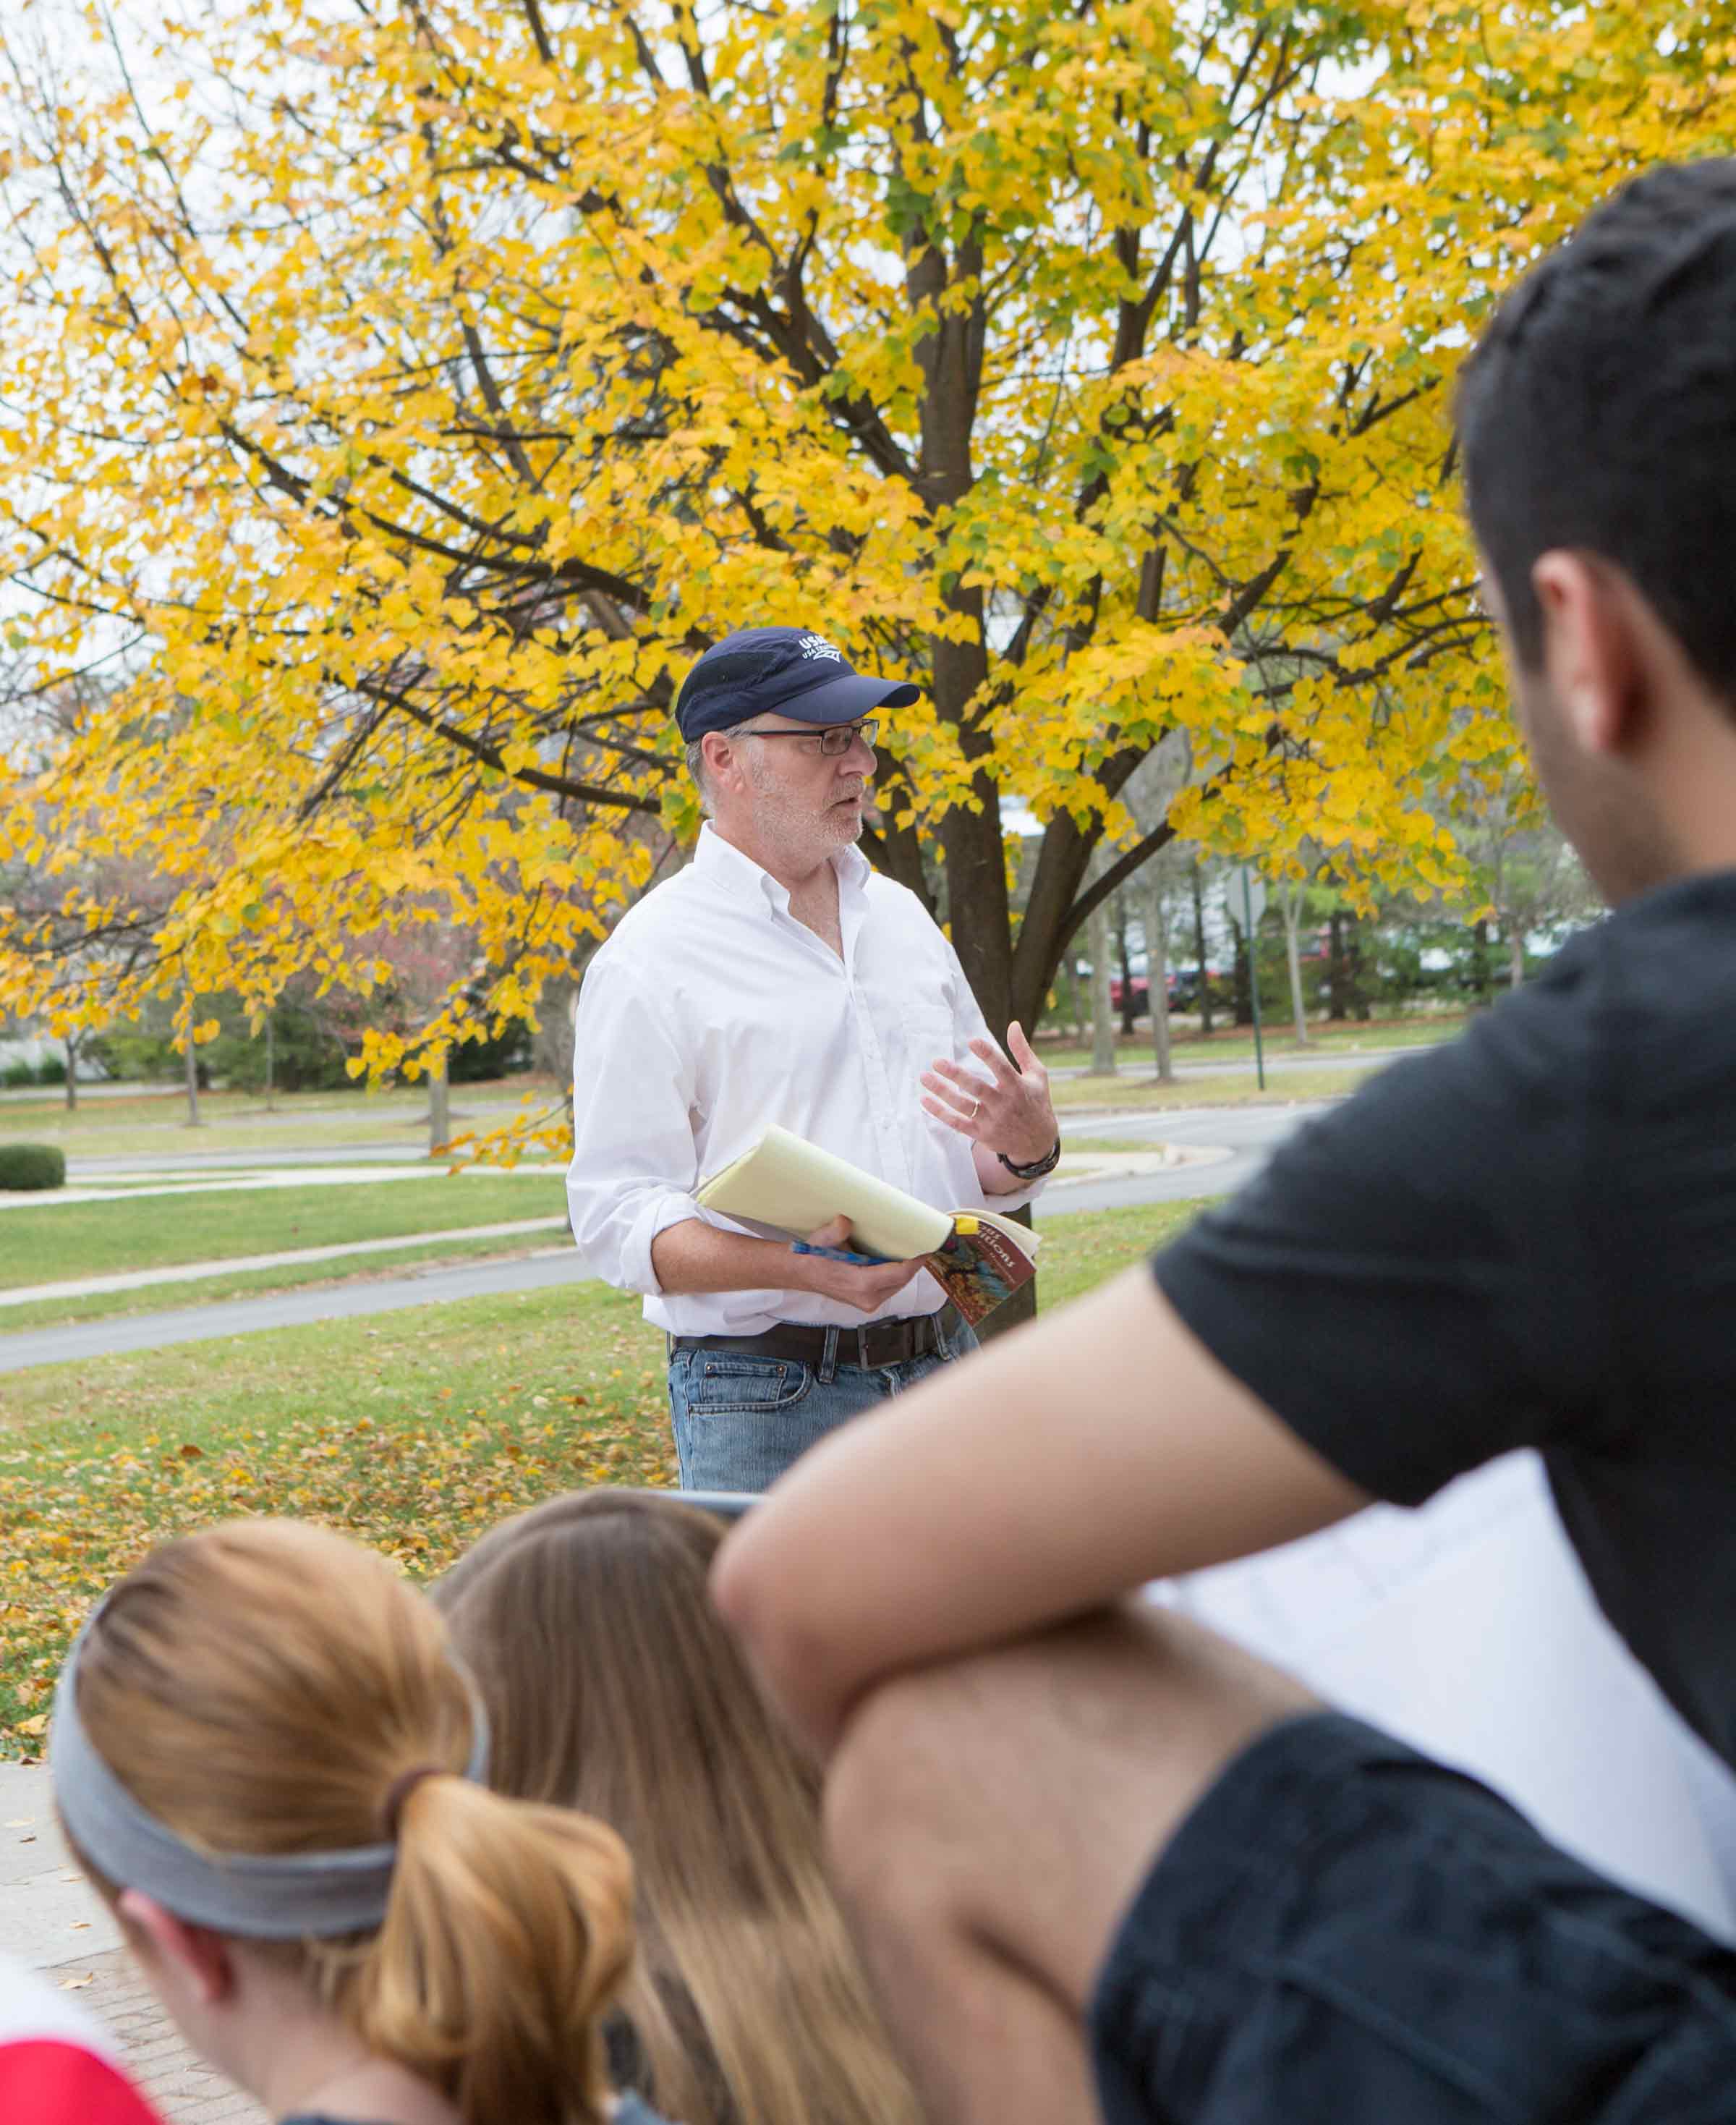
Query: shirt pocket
{"type": "Point", "coordinates": [928, 1033]}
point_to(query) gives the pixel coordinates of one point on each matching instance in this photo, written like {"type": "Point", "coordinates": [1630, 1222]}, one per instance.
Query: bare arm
{"type": "Point", "coordinates": [1072, 1461]}
{"type": "Point", "coordinates": [994, 1176]}
{"type": "Point", "coordinates": [694, 1256]}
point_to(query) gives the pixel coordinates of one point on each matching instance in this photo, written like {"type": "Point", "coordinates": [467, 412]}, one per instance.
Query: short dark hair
{"type": "Point", "coordinates": [1599, 412]}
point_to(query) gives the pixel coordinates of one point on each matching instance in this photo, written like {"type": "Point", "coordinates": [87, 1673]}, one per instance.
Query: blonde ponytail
{"type": "Point", "coordinates": [267, 1689]}
{"type": "Point", "coordinates": [508, 1933]}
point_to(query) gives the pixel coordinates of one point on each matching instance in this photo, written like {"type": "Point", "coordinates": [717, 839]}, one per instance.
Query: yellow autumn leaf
{"type": "Point", "coordinates": [366, 502]}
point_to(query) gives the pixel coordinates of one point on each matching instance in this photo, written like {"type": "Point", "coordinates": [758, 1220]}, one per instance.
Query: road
{"type": "Point", "coordinates": [1251, 1132]}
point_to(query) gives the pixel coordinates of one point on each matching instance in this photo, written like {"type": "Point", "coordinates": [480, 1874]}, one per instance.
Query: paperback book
{"type": "Point", "coordinates": [786, 1187]}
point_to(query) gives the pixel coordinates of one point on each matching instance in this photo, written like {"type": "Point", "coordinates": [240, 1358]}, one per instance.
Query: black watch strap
{"type": "Point", "coordinates": [1038, 1168]}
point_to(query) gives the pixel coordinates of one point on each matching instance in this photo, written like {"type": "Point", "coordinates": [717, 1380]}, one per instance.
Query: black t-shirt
{"type": "Point", "coordinates": [1528, 1238]}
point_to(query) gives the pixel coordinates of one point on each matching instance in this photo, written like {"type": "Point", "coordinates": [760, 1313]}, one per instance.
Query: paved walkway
{"type": "Point", "coordinates": [1169, 1156]}
{"type": "Point", "coordinates": [138, 1279]}
{"type": "Point", "coordinates": [51, 1919]}
{"type": "Point", "coordinates": [287, 1309]}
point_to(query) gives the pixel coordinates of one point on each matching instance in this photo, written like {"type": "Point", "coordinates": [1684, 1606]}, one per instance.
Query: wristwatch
{"type": "Point", "coordinates": [1035, 1171]}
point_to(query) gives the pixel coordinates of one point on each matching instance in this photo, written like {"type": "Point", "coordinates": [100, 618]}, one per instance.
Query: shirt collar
{"type": "Point", "coordinates": [721, 862]}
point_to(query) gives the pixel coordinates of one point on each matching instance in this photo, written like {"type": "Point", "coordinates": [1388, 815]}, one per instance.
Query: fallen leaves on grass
{"type": "Point", "coordinates": [76, 1514]}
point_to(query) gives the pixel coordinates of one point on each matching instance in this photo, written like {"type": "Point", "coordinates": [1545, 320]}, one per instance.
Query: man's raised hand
{"type": "Point", "coordinates": [1008, 1111]}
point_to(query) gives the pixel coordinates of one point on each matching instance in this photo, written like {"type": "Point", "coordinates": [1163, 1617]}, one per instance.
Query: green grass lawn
{"type": "Point", "coordinates": [1136, 1088]}
{"type": "Point", "coordinates": [152, 1123]}
{"type": "Point", "coordinates": [1235, 1043]}
{"type": "Point", "coordinates": [49, 1242]}
{"type": "Point", "coordinates": [414, 1430]}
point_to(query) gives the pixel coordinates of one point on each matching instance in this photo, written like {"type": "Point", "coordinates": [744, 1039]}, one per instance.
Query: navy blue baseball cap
{"type": "Point", "coordinates": [784, 671]}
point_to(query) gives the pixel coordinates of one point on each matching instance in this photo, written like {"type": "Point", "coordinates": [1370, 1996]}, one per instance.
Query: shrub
{"type": "Point", "coordinates": [307, 1056]}
{"type": "Point", "coordinates": [31, 1165]}
{"type": "Point", "coordinates": [17, 1075]}
{"type": "Point", "coordinates": [128, 1053]}
{"type": "Point", "coordinates": [51, 1071]}
{"type": "Point", "coordinates": [476, 1061]}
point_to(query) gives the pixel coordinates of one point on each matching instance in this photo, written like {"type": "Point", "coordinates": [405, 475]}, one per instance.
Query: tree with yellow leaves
{"type": "Point", "coordinates": [398, 395]}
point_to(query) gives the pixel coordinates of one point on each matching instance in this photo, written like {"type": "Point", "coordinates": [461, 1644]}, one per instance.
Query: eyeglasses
{"type": "Point", "coordinates": [832, 743]}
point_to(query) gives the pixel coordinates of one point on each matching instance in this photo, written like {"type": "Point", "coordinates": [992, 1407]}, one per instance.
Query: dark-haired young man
{"type": "Point", "coordinates": [777, 978]}
{"type": "Point", "coordinates": [1100, 1858]}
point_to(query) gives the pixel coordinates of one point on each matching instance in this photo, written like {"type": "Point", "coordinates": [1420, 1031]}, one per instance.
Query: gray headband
{"type": "Point", "coordinates": [260, 1896]}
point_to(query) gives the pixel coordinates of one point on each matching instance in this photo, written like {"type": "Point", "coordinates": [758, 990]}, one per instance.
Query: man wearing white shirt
{"type": "Point", "coordinates": [780, 979]}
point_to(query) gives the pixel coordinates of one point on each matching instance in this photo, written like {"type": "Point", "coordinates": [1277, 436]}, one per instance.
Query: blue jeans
{"type": "Point", "coordinates": [741, 1422]}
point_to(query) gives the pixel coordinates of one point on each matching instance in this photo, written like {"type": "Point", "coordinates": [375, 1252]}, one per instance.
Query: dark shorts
{"type": "Point", "coordinates": [1343, 1933]}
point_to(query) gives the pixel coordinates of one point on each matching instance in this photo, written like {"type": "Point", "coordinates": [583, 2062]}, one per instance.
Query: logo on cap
{"type": "Point", "coordinates": [817, 645]}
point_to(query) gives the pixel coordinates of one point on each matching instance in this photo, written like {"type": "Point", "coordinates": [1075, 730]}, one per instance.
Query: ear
{"type": "Point", "coordinates": [720, 756]}
{"type": "Point", "coordinates": [196, 1958]}
{"type": "Point", "coordinates": [1590, 655]}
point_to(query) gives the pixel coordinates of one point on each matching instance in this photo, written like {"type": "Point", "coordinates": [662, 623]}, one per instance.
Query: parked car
{"type": "Point", "coordinates": [1181, 983]}
{"type": "Point", "coordinates": [1184, 986]}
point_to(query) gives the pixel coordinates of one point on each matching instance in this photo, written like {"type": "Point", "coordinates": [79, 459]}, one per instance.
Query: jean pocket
{"type": "Point", "coordinates": [718, 1384]}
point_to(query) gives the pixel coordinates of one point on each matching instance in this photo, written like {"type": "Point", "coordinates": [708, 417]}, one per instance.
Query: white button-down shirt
{"type": "Point", "coordinates": [712, 1013]}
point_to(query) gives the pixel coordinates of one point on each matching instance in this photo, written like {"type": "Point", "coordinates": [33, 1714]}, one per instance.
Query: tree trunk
{"type": "Point", "coordinates": [192, 1074]}
{"type": "Point", "coordinates": [72, 1073]}
{"type": "Point", "coordinates": [1199, 952]}
{"type": "Point", "coordinates": [1480, 980]}
{"type": "Point", "coordinates": [1289, 907]}
{"type": "Point", "coordinates": [1076, 983]}
{"type": "Point", "coordinates": [1516, 957]}
{"type": "Point", "coordinates": [1103, 1014]}
{"type": "Point", "coordinates": [440, 1109]}
{"type": "Point", "coordinates": [1338, 997]}
{"type": "Point", "coordinates": [949, 357]}
{"type": "Point", "coordinates": [1244, 975]}
{"type": "Point", "coordinates": [1129, 1011]}
{"type": "Point", "coordinates": [976, 879]}
{"type": "Point", "coordinates": [1157, 980]}
{"type": "Point", "coordinates": [551, 1045]}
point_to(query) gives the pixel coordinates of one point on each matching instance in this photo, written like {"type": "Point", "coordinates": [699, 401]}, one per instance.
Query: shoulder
{"type": "Point", "coordinates": [664, 910]}
{"type": "Point", "coordinates": [1659, 978]}
{"type": "Point", "coordinates": [891, 903]}
{"type": "Point", "coordinates": [1536, 1049]}
{"type": "Point", "coordinates": [1427, 1144]}
{"type": "Point", "coordinates": [1646, 997]}
{"type": "Point", "coordinates": [650, 941]}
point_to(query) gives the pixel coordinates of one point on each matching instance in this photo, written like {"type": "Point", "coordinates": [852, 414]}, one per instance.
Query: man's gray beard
{"type": "Point", "coordinates": [803, 833]}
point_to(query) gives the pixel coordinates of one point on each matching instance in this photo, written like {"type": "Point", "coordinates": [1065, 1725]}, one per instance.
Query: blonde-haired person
{"type": "Point", "coordinates": [612, 1687]}
{"type": "Point", "coordinates": [266, 1756]}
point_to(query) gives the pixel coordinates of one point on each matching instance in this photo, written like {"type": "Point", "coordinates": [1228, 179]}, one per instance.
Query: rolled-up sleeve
{"type": "Point", "coordinates": [635, 1167]}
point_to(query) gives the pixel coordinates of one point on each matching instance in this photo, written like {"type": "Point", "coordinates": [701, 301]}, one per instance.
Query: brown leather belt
{"type": "Point", "coordinates": [893, 1342]}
